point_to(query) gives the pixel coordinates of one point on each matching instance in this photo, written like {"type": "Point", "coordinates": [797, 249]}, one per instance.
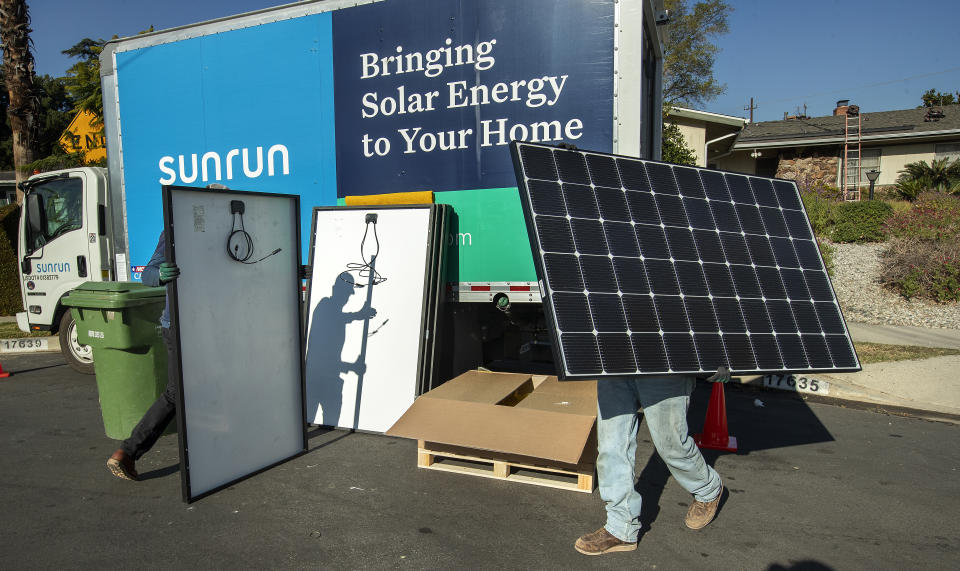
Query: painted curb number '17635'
{"type": "Point", "coordinates": [799, 384]}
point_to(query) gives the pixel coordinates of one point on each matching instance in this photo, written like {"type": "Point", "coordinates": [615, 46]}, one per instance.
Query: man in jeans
{"type": "Point", "coordinates": [122, 463]}
{"type": "Point", "coordinates": [664, 401]}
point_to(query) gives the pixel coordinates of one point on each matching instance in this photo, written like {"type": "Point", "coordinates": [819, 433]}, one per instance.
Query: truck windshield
{"type": "Point", "coordinates": [61, 204]}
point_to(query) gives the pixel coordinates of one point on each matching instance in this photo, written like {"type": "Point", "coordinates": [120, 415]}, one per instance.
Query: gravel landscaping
{"type": "Point", "coordinates": [863, 300]}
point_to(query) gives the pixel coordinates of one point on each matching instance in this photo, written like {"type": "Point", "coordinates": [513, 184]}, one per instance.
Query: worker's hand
{"type": "Point", "coordinates": [367, 313]}
{"type": "Point", "coordinates": [168, 272]}
{"type": "Point", "coordinates": [721, 376]}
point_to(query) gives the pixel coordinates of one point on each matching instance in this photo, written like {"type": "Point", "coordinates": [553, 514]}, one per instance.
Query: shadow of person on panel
{"type": "Point", "coordinates": [324, 363]}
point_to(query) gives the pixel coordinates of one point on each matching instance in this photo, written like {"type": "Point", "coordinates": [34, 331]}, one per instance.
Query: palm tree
{"type": "Point", "coordinates": [941, 175]}
{"type": "Point", "coordinates": [24, 103]}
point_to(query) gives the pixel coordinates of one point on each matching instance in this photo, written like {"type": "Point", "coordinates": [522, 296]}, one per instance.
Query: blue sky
{"type": "Point", "coordinates": [880, 54]}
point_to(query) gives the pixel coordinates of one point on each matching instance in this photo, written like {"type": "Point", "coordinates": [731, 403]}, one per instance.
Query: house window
{"type": "Point", "coordinates": [949, 151]}
{"type": "Point", "coordinates": [869, 160]}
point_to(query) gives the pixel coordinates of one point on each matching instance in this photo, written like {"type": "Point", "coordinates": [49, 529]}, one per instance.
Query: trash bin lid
{"type": "Point", "coordinates": [114, 295]}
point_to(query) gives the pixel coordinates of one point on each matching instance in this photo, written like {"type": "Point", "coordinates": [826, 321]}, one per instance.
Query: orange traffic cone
{"type": "Point", "coordinates": [3, 374]}
{"type": "Point", "coordinates": [715, 435]}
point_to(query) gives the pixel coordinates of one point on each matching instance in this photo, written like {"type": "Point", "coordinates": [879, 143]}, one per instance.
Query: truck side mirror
{"type": "Point", "coordinates": [35, 213]}
{"type": "Point", "coordinates": [25, 266]}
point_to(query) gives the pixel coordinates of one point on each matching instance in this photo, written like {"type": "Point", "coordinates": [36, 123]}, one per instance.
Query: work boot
{"type": "Point", "coordinates": [702, 513]}
{"type": "Point", "coordinates": [600, 542]}
{"type": "Point", "coordinates": [121, 466]}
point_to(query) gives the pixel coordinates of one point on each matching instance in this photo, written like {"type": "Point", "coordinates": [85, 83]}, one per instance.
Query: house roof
{"type": "Point", "coordinates": [707, 116]}
{"type": "Point", "coordinates": [907, 124]}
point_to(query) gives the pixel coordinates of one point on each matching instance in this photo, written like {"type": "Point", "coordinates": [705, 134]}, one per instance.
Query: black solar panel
{"type": "Point", "coordinates": [648, 268]}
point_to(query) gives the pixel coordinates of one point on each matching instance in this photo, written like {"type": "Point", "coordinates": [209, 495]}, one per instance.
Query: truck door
{"type": "Point", "coordinates": [54, 250]}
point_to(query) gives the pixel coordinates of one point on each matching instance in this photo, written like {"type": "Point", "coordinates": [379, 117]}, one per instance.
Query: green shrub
{"type": "Point", "coordinates": [827, 250]}
{"type": "Point", "coordinates": [860, 221]}
{"type": "Point", "coordinates": [10, 301]}
{"type": "Point", "coordinates": [921, 268]}
{"type": "Point", "coordinates": [820, 211]}
{"type": "Point", "coordinates": [934, 216]}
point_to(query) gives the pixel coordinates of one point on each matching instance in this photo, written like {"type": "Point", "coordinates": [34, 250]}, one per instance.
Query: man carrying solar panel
{"type": "Point", "coordinates": [664, 401]}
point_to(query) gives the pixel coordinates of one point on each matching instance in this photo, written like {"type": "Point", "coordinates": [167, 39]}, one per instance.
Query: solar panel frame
{"type": "Point", "coordinates": [634, 303]}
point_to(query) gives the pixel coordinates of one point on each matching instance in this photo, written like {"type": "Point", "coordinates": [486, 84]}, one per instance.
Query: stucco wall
{"type": "Point", "coordinates": [694, 133]}
{"type": "Point", "coordinates": [738, 162]}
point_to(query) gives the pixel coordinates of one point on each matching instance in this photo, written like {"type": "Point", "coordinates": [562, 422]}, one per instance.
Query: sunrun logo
{"type": "Point", "coordinates": [212, 166]}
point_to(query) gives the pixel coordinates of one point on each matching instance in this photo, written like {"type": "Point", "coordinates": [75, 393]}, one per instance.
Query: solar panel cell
{"type": "Point", "coordinates": [671, 210]}
{"type": "Point", "coordinates": [630, 276]}
{"type": "Point", "coordinates": [603, 171]}
{"type": "Point", "coordinates": [735, 248]}
{"type": "Point", "coordinates": [621, 239]}
{"type": "Point", "coordinates": [563, 272]}
{"type": "Point", "coordinates": [750, 219]}
{"type": "Point", "coordinates": [607, 312]}
{"type": "Point", "coordinates": [740, 189]}
{"type": "Point", "coordinates": [689, 182]}
{"type": "Point", "coordinates": [653, 241]}
{"type": "Point", "coordinates": [650, 352]}
{"type": "Point", "coordinates": [725, 216]}
{"type": "Point", "coordinates": [709, 247]}
{"type": "Point", "coordinates": [729, 315]}
{"type": "Point", "coordinates": [547, 198]}
{"type": "Point", "coordinates": [613, 204]}
{"type": "Point", "coordinates": [715, 186]}
{"type": "Point", "coordinates": [763, 192]}
{"type": "Point", "coordinates": [681, 352]}
{"type": "Point", "coordinates": [573, 312]}
{"type": "Point", "coordinates": [690, 275]}
{"type": "Point", "coordinates": [673, 315]}
{"type": "Point", "coordinates": [580, 201]}
{"type": "Point", "coordinates": [589, 237]}
{"type": "Point", "coordinates": [719, 280]}
{"type": "Point", "coordinates": [745, 281]}
{"type": "Point", "coordinates": [616, 353]}
{"type": "Point", "coordinates": [643, 209]}
{"type": "Point", "coordinates": [598, 274]}
{"type": "Point", "coordinates": [698, 213]}
{"type": "Point", "coordinates": [661, 178]}
{"type": "Point", "coordinates": [572, 167]}
{"type": "Point", "coordinates": [663, 279]}
{"type": "Point", "coordinates": [640, 313]}
{"type": "Point", "coordinates": [554, 234]}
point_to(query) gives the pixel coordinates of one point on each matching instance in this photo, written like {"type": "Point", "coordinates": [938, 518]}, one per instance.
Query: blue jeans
{"type": "Point", "coordinates": [664, 401]}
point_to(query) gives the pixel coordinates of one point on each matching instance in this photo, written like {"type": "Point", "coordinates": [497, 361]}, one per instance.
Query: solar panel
{"type": "Point", "coordinates": [648, 268]}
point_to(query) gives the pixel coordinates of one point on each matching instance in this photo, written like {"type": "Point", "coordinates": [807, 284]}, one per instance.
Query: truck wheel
{"type": "Point", "coordinates": [79, 357]}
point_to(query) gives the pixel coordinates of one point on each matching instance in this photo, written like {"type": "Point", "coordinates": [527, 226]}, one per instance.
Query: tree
{"type": "Point", "coordinates": [24, 102]}
{"type": "Point", "coordinates": [933, 98]}
{"type": "Point", "coordinates": [689, 51]}
{"type": "Point", "coordinates": [83, 78]}
{"type": "Point", "coordinates": [675, 149]}
{"type": "Point", "coordinates": [940, 175]}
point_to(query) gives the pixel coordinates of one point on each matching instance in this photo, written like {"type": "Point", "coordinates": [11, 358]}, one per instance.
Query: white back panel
{"type": "Point", "coordinates": [239, 332]}
{"type": "Point", "coordinates": [340, 335]}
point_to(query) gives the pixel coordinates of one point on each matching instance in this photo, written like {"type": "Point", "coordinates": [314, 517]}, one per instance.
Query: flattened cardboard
{"type": "Point", "coordinates": [547, 419]}
{"type": "Point", "coordinates": [479, 386]}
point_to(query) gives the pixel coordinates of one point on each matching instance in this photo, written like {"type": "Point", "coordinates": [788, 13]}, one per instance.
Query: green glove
{"type": "Point", "coordinates": [168, 272]}
{"type": "Point", "coordinates": [721, 376]}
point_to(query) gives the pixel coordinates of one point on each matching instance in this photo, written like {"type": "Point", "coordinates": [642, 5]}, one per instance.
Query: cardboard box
{"type": "Point", "coordinates": [508, 415]}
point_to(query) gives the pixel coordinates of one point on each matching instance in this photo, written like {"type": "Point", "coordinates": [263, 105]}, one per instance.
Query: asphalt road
{"type": "Point", "coordinates": [814, 486]}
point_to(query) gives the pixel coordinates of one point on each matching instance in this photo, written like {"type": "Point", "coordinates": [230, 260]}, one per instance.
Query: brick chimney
{"type": "Point", "coordinates": [842, 106]}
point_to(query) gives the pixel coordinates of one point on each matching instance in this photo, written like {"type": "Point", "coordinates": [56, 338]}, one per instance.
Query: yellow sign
{"type": "Point", "coordinates": [82, 136]}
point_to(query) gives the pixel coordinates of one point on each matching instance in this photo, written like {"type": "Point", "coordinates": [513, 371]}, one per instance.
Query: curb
{"type": "Point", "coordinates": [53, 346]}
{"type": "Point", "coordinates": [854, 396]}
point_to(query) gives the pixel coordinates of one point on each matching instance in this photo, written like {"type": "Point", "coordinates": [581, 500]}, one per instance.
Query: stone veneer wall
{"type": "Point", "coordinates": [811, 167]}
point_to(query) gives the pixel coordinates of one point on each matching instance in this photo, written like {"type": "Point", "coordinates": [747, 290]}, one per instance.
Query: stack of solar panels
{"type": "Point", "coordinates": [649, 268]}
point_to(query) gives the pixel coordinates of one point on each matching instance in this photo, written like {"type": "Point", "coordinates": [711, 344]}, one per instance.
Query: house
{"type": "Point", "coordinates": [8, 187]}
{"type": "Point", "coordinates": [707, 134]}
{"type": "Point", "coordinates": [811, 149]}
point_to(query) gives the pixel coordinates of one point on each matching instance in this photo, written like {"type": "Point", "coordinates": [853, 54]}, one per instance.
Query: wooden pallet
{"type": "Point", "coordinates": [476, 463]}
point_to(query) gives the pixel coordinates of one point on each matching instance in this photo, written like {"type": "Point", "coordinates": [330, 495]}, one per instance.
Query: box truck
{"type": "Point", "coordinates": [335, 99]}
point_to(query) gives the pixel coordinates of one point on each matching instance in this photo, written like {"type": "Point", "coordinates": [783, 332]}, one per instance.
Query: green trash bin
{"type": "Point", "coordinates": [121, 323]}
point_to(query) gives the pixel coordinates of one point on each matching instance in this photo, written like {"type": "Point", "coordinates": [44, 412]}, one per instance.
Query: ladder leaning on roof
{"type": "Point", "coordinates": [850, 177]}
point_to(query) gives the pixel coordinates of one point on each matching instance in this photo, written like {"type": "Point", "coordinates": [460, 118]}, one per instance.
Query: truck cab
{"type": "Point", "coordinates": [63, 242]}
